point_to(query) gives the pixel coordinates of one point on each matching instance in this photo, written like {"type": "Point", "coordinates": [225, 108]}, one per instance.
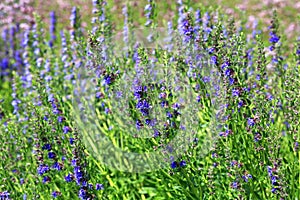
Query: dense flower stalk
{"type": "Point", "coordinates": [52, 28]}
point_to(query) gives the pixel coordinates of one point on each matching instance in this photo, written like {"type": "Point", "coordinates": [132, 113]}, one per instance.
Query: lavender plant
{"type": "Point", "coordinates": [199, 111]}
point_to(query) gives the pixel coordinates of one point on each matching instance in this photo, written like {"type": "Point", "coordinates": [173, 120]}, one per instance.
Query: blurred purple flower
{"type": "Point", "coordinates": [99, 186]}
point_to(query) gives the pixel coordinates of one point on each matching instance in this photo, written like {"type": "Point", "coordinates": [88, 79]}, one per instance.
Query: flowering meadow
{"type": "Point", "coordinates": [199, 106]}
